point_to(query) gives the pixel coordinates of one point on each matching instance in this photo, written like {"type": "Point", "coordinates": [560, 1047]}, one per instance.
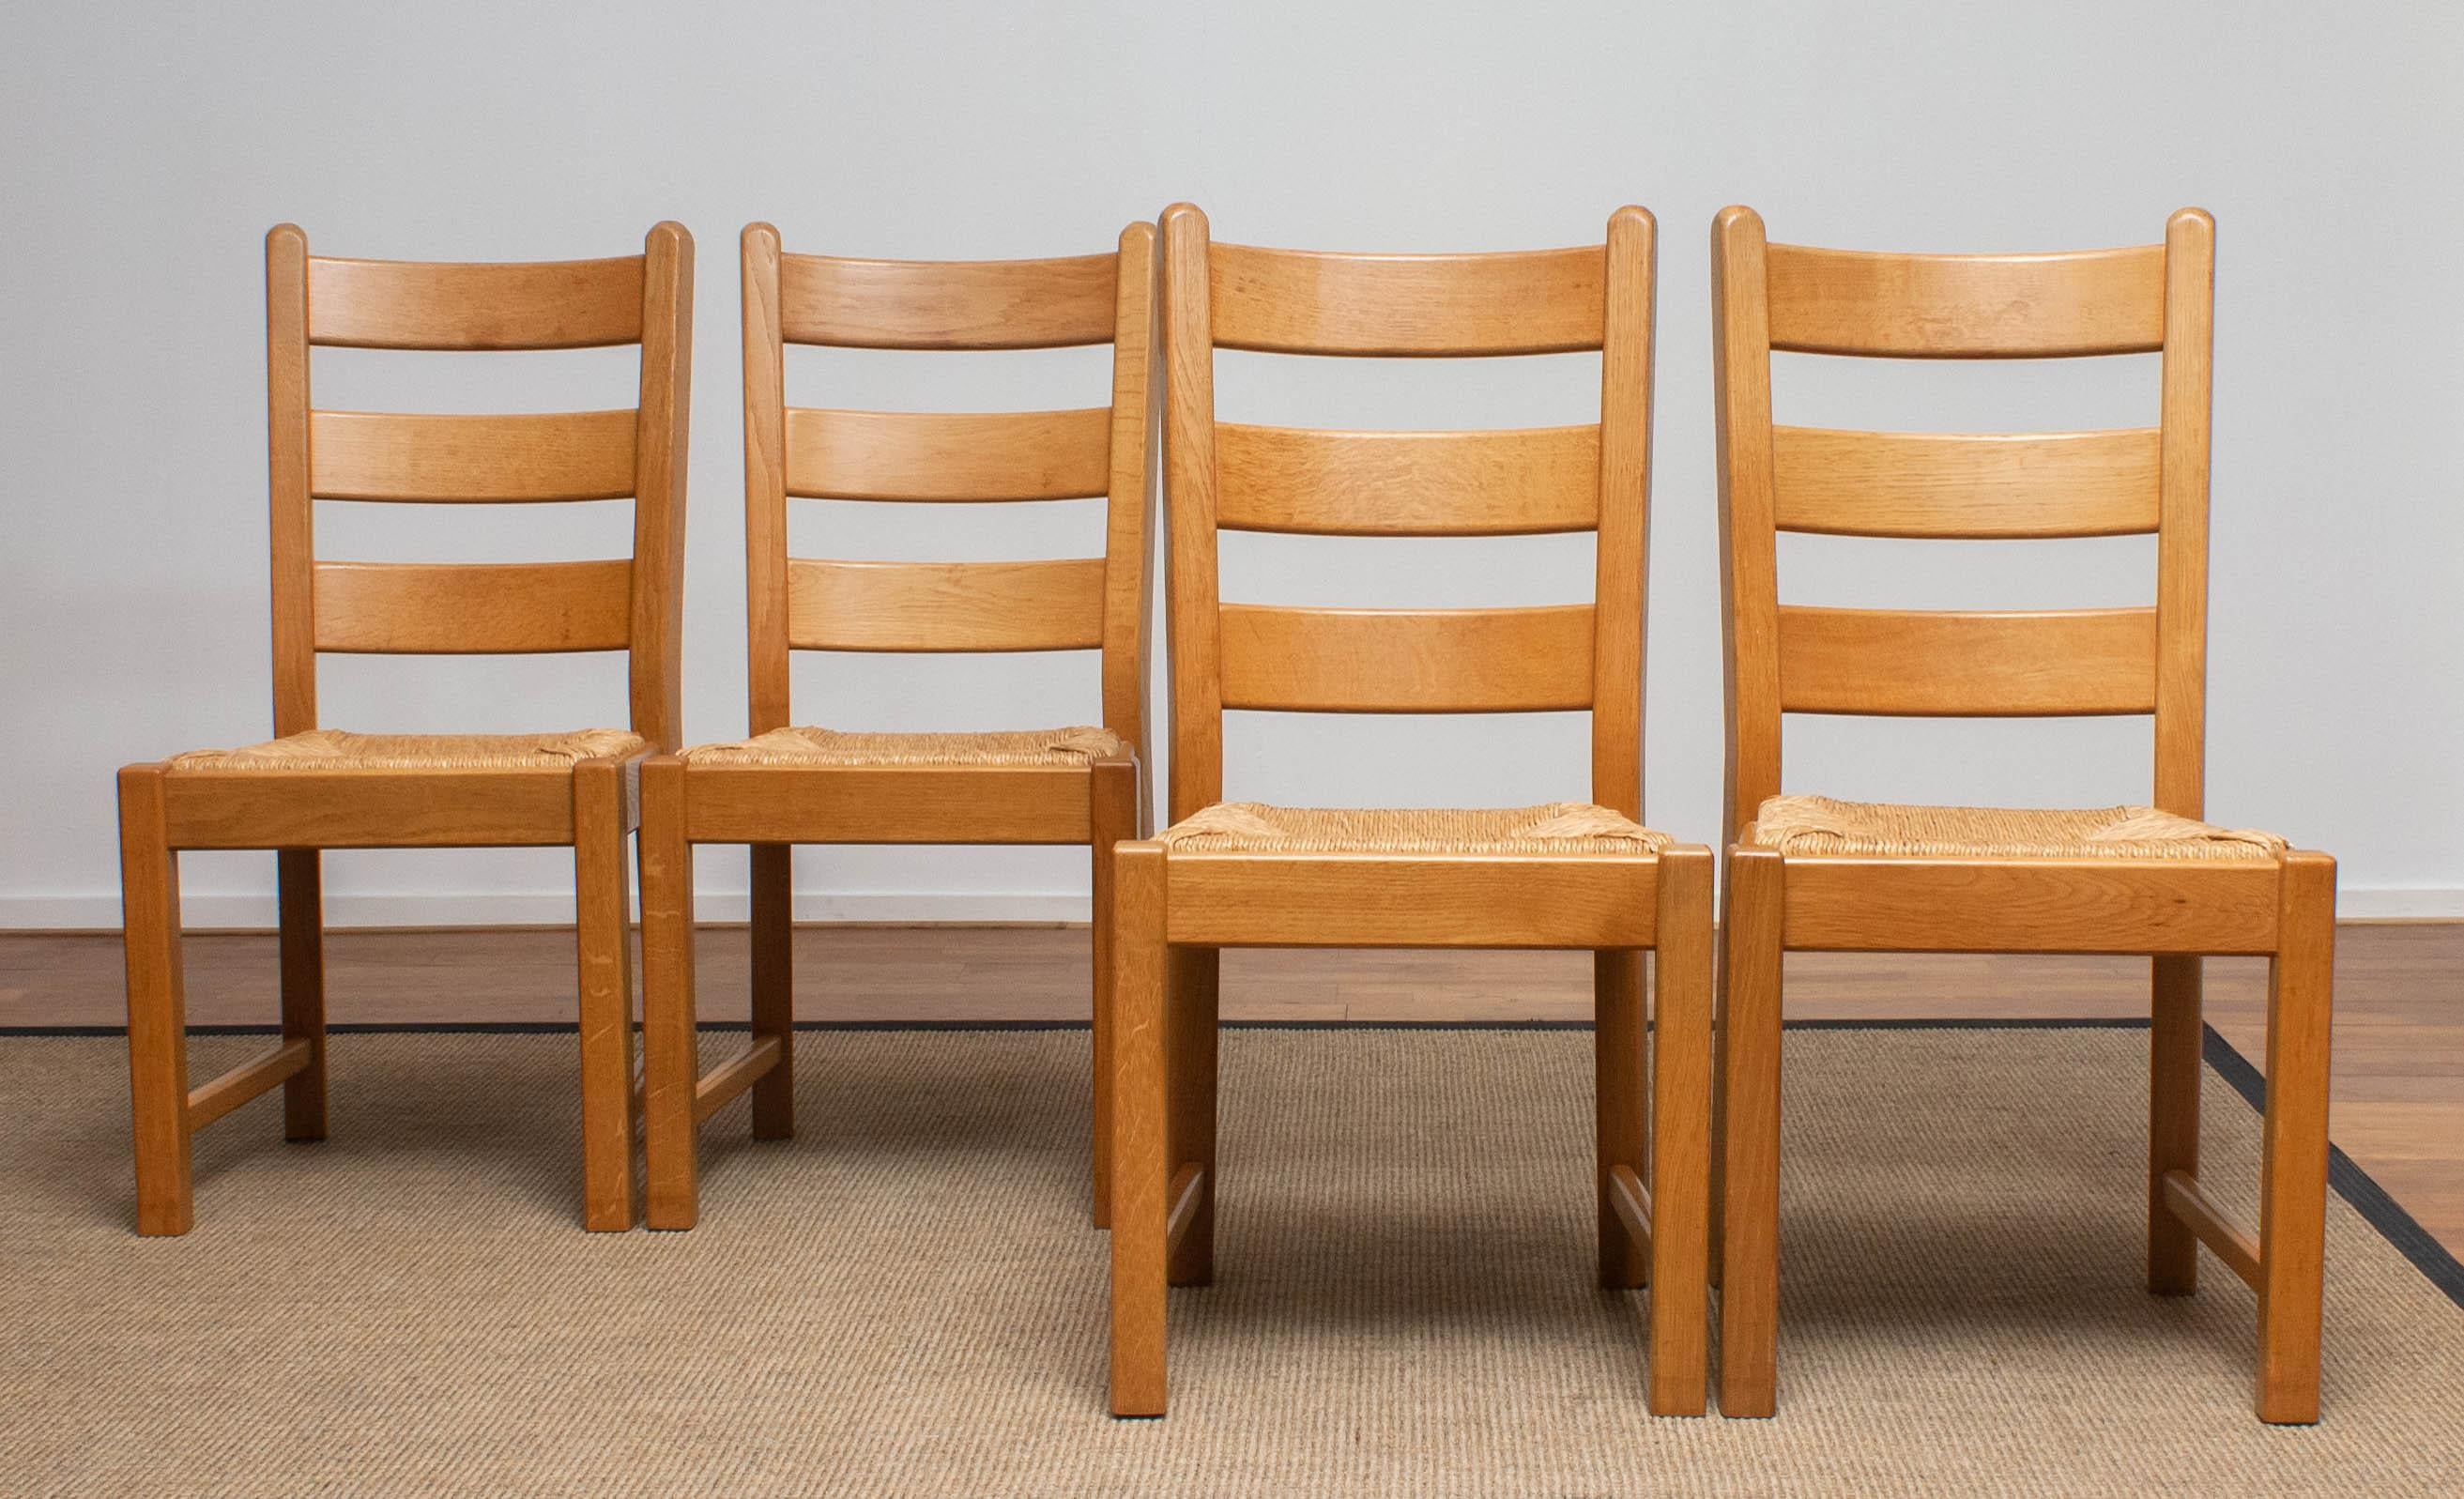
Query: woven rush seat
{"type": "Point", "coordinates": [338, 749]}
{"type": "Point", "coordinates": [1072, 746]}
{"type": "Point", "coordinates": [1558, 827]}
{"type": "Point", "coordinates": [1818, 825]}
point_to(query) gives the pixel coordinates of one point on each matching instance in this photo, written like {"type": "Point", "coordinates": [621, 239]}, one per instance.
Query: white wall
{"type": "Point", "coordinates": [147, 149]}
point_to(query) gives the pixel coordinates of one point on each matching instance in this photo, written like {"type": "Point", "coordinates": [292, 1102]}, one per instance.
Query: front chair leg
{"type": "Point", "coordinates": [158, 1011]}
{"type": "Point", "coordinates": [2293, 1180]}
{"type": "Point", "coordinates": [671, 1053]}
{"type": "Point", "coordinates": [1141, 1130]}
{"type": "Point", "coordinates": [1749, 1169]}
{"type": "Point", "coordinates": [602, 901]}
{"type": "Point", "coordinates": [1680, 1135]}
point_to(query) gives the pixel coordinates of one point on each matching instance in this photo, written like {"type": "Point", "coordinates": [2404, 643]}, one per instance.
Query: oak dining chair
{"type": "Point", "coordinates": [1810, 873]}
{"type": "Point", "coordinates": [1569, 876]}
{"type": "Point", "coordinates": [313, 787]}
{"type": "Point", "coordinates": [790, 785]}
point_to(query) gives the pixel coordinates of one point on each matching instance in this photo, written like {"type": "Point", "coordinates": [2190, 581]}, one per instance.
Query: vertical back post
{"type": "Point", "coordinates": [294, 516]}
{"type": "Point", "coordinates": [1127, 590]}
{"type": "Point", "coordinates": [1623, 543]}
{"type": "Point", "coordinates": [766, 484]}
{"type": "Point", "coordinates": [1191, 592]}
{"type": "Point", "coordinates": [1748, 542]}
{"type": "Point", "coordinates": [656, 658]}
{"type": "Point", "coordinates": [2182, 516]}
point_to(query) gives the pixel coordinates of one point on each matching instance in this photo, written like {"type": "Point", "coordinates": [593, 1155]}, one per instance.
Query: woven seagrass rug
{"type": "Point", "coordinates": [907, 1299]}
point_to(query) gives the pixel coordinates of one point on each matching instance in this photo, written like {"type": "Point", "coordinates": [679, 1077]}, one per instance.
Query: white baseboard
{"type": "Point", "coordinates": [545, 908]}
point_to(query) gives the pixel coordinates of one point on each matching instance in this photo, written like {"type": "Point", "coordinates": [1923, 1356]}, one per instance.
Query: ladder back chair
{"type": "Point", "coordinates": [1810, 872]}
{"type": "Point", "coordinates": [1578, 876]}
{"type": "Point", "coordinates": [790, 785]}
{"type": "Point", "coordinates": [312, 787]}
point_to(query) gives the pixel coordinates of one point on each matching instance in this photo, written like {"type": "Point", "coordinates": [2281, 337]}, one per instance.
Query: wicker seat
{"type": "Point", "coordinates": [1072, 746]}
{"type": "Point", "coordinates": [338, 749]}
{"type": "Point", "coordinates": [1817, 825]}
{"type": "Point", "coordinates": [1559, 828]}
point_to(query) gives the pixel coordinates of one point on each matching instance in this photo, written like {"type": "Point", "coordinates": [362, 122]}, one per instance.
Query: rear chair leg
{"type": "Point", "coordinates": [1112, 792]}
{"type": "Point", "coordinates": [2175, 1061]}
{"type": "Point", "coordinates": [1193, 975]}
{"type": "Point", "coordinates": [1680, 1136]}
{"type": "Point", "coordinates": [299, 879]}
{"type": "Point", "coordinates": [670, 1056]}
{"type": "Point", "coordinates": [1622, 1126]}
{"type": "Point", "coordinates": [604, 907]}
{"type": "Point", "coordinates": [774, 985]}
{"type": "Point", "coordinates": [1750, 1199]}
{"type": "Point", "coordinates": [2293, 1182]}
{"type": "Point", "coordinates": [158, 1037]}
{"type": "Point", "coordinates": [1140, 1130]}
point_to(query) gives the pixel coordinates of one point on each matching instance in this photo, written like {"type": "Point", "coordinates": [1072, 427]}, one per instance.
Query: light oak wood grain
{"type": "Point", "coordinates": [405, 304]}
{"type": "Point", "coordinates": [1407, 660]}
{"type": "Point", "coordinates": [1516, 482]}
{"type": "Point", "coordinates": [1977, 485]}
{"type": "Point", "coordinates": [480, 608]}
{"type": "Point", "coordinates": [1933, 306]}
{"type": "Point", "coordinates": [1966, 664]}
{"type": "Point", "coordinates": [1298, 301]}
{"type": "Point", "coordinates": [560, 456]}
{"type": "Point", "coordinates": [1043, 605]}
{"type": "Point", "coordinates": [931, 455]}
{"type": "Point", "coordinates": [916, 304]}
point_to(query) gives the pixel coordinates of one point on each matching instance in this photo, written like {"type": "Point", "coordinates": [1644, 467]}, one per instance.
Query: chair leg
{"type": "Point", "coordinates": [1112, 792]}
{"type": "Point", "coordinates": [1194, 1021]}
{"type": "Point", "coordinates": [2293, 1182]}
{"type": "Point", "coordinates": [302, 915]}
{"type": "Point", "coordinates": [1622, 1129]}
{"type": "Point", "coordinates": [604, 907]}
{"type": "Point", "coordinates": [671, 1053]}
{"type": "Point", "coordinates": [2175, 1036]}
{"type": "Point", "coordinates": [774, 985]}
{"type": "Point", "coordinates": [1142, 1131]}
{"type": "Point", "coordinates": [158, 1035]}
{"type": "Point", "coordinates": [1680, 1136]}
{"type": "Point", "coordinates": [1750, 1201]}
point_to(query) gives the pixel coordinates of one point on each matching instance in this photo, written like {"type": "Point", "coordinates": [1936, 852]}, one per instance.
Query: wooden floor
{"type": "Point", "coordinates": [2399, 1064]}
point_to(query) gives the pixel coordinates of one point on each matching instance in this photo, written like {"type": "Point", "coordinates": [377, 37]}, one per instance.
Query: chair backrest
{"type": "Point", "coordinates": [1091, 604]}
{"type": "Point", "coordinates": [1784, 658]}
{"type": "Point", "coordinates": [1225, 475]}
{"type": "Point", "coordinates": [633, 605]}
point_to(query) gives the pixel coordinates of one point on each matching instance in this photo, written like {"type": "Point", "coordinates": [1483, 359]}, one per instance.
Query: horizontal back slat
{"type": "Point", "coordinates": [402, 304]}
{"type": "Point", "coordinates": [1317, 660]}
{"type": "Point", "coordinates": [1297, 301]}
{"type": "Point", "coordinates": [1337, 483]}
{"type": "Point", "coordinates": [472, 608]}
{"type": "Point", "coordinates": [932, 457]}
{"type": "Point", "coordinates": [1846, 301]}
{"type": "Point", "coordinates": [1923, 484]}
{"type": "Point", "coordinates": [1043, 605]}
{"type": "Point", "coordinates": [386, 456]}
{"type": "Point", "coordinates": [948, 304]}
{"type": "Point", "coordinates": [1935, 663]}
